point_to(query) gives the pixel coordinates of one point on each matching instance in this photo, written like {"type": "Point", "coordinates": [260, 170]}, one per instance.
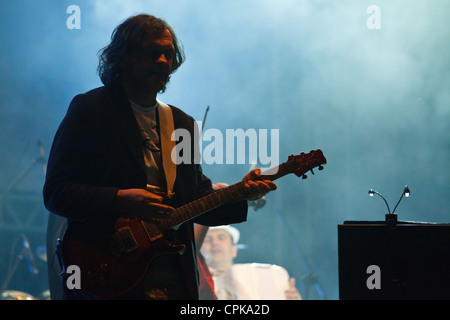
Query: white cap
{"type": "Point", "coordinates": [232, 231]}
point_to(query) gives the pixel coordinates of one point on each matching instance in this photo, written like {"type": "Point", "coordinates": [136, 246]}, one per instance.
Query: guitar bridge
{"type": "Point", "coordinates": [122, 241]}
{"type": "Point", "coordinates": [153, 232]}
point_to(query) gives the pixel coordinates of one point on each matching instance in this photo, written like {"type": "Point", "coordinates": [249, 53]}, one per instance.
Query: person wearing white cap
{"type": "Point", "coordinates": [247, 281]}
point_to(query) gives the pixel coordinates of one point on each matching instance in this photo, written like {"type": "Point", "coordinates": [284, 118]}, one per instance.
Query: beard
{"type": "Point", "coordinates": [158, 79]}
{"type": "Point", "coordinates": [164, 84]}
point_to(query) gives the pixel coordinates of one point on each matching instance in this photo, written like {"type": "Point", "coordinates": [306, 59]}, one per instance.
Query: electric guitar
{"type": "Point", "coordinates": [112, 262]}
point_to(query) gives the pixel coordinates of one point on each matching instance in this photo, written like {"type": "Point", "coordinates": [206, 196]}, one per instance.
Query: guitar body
{"type": "Point", "coordinates": [112, 262]}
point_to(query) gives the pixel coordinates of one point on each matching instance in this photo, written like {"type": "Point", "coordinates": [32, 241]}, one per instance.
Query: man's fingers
{"type": "Point", "coordinates": [255, 174]}
{"type": "Point", "coordinates": [159, 208]}
{"type": "Point", "coordinates": [219, 185]}
{"type": "Point", "coordinates": [292, 282]}
{"type": "Point", "coordinates": [258, 189]}
{"type": "Point", "coordinates": [152, 197]}
{"type": "Point", "coordinates": [143, 205]}
{"type": "Point", "coordinates": [152, 212]}
{"type": "Point", "coordinates": [261, 185]}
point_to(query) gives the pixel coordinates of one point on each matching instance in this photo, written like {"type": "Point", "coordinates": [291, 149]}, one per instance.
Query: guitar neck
{"type": "Point", "coordinates": [218, 198]}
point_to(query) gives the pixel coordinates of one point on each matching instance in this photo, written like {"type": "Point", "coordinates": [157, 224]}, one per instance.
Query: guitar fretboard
{"type": "Point", "coordinates": [218, 198]}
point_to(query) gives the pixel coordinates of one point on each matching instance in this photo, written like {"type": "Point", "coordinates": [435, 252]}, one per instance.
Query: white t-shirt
{"type": "Point", "coordinates": [151, 145]}
{"type": "Point", "coordinates": [252, 281]}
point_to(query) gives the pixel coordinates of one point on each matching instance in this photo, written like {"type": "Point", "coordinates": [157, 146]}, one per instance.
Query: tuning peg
{"type": "Point", "coordinates": [320, 168]}
{"type": "Point", "coordinates": [312, 171]}
{"type": "Point", "coordinates": [304, 177]}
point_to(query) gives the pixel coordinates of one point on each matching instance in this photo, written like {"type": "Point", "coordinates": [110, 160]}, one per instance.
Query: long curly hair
{"type": "Point", "coordinates": [128, 36]}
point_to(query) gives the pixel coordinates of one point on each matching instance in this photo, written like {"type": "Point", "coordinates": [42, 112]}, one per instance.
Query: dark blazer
{"type": "Point", "coordinates": [97, 151]}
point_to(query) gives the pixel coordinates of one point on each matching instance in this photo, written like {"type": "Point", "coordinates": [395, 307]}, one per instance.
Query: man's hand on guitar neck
{"type": "Point", "coordinates": [142, 204]}
{"type": "Point", "coordinates": [148, 206]}
{"type": "Point", "coordinates": [257, 188]}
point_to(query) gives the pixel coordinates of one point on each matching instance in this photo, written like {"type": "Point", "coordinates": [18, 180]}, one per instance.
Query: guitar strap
{"type": "Point", "coordinates": [167, 144]}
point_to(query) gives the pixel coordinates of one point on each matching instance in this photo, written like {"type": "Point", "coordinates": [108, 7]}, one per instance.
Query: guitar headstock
{"type": "Point", "coordinates": [304, 162]}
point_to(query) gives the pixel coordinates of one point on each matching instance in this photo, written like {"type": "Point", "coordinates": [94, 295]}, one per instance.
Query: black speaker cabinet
{"type": "Point", "coordinates": [394, 261]}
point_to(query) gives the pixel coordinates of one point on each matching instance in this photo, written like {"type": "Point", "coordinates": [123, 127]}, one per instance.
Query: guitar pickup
{"type": "Point", "coordinates": [153, 232]}
{"type": "Point", "coordinates": [122, 241]}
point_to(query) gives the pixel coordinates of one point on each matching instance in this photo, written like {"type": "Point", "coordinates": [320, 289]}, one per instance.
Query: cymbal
{"type": "Point", "coordinates": [16, 295]}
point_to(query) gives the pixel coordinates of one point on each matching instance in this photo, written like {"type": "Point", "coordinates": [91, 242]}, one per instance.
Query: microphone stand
{"type": "Point", "coordinates": [310, 279]}
{"type": "Point", "coordinates": [204, 120]}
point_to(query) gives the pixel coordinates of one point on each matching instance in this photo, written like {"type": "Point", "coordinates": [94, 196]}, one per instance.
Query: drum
{"type": "Point", "coordinates": [45, 295]}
